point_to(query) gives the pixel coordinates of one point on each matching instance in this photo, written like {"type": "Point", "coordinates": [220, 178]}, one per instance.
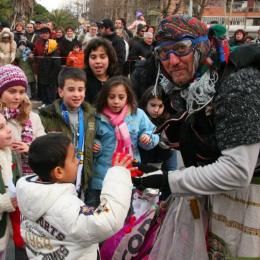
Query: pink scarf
{"type": "Point", "coordinates": [124, 144]}
{"type": "Point", "coordinates": [26, 135]}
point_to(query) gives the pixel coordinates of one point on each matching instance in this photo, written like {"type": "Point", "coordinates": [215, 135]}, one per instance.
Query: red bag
{"type": "Point", "coordinates": [16, 223]}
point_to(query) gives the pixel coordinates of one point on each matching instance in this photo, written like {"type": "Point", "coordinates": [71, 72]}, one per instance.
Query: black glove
{"type": "Point", "coordinates": [145, 168]}
{"type": "Point", "coordinates": [152, 178]}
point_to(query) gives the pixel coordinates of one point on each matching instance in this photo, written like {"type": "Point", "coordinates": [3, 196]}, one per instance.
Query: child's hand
{"type": "Point", "coordinates": [145, 139]}
{"type": "Point", "coordinates": [124, 160]}
{"type": "Point", "coordinates": [96, 148]}
{"type": "Point", "coordinates": [20, 147]}
{"type": "Point", "coordinates": [14, 202]}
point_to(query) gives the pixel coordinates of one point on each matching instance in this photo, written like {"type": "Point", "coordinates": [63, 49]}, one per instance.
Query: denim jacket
{"type": "Point", "coordinates": [138, 124]}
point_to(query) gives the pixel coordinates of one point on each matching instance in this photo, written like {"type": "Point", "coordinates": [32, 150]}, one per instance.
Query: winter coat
{"type": "Point", "coordinates": [37, 127]}
{"type": "Point", "coordinates": [144, 75]}
{"type": "Point", "coordinates": [16, 128]}
{"type": "Point", "coordinates": [48, 65]}
{"type": "Point", "coordinates": [31, 37]}
{"type": "Point", "coordinates": [63, 226]}
{"type": "Point", "coordinates": [7, 171]}
{"type": "Point", "coordinates": [93, 86]}
{"type": "Point", "coordinates": [53, 122]}
{"type": "Point", "coordinates": [25, 65]}
{"type": "Point", "coordinates": [75, 59]}
{"type": "Point", "coordinates": [138, 123]}
{"type": "Point", "coordinates": [119, 46]}
{"type": "Point", "coordinates": [66, 45]}
{"type": "Point", "coordinates": [140, 48]}
{"type": "Point", "coordinates": [7, 50]}
{"type": "Point", "coordinates": [18, 36]}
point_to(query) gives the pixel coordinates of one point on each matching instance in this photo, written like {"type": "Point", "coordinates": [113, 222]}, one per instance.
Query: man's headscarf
{"type": "Point", "coordinates": [178, 27]}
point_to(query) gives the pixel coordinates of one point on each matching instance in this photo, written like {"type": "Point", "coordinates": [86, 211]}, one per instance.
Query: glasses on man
{"type": "Point", "coordinates": [178, 48]}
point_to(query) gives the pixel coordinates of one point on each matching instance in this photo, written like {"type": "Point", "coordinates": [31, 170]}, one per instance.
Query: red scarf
{"type": "Point", "coordinates": [124, 144]}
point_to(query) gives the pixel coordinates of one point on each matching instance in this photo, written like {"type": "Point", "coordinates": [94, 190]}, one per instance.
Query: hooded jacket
{"type": "Point", "coordinates": [7, 49]}
{"type": "Point", "coordinates": [56, 224]}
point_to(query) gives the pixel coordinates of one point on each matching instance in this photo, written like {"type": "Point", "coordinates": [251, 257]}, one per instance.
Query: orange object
{"type": "Point", "coordinates": [75, 59]}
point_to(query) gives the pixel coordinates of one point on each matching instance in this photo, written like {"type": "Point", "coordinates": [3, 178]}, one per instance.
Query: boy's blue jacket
{"type": "Point", "coordinates": [138, 124]}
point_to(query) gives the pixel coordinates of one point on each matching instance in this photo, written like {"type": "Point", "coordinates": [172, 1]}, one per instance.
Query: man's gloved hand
{"type": "Point", "coordinates": [152, 177]}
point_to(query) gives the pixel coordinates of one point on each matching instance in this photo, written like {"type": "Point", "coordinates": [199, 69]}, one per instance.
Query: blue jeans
{"type": "Point", "coordinates": [168, 165]}
{"type": "Point", "coordinates": [171, 163]}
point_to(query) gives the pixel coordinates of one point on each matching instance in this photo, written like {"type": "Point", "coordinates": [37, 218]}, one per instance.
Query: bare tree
{"type": "Point", "coordinates": [198, 7]}
{"type": "Point", "coordinates": [22, 9]}
{"type": "Point", "coordinates": [125, 8]}
{"type": "Point", "coordinates": [170, 7]}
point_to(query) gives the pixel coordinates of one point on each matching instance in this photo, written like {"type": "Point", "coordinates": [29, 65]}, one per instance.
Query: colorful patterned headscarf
{"type": "Point", "coordinates": [177, 27]}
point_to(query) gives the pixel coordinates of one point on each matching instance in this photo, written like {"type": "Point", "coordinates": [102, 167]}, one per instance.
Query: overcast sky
{"type": "Point", "coordinates": [51, 4]}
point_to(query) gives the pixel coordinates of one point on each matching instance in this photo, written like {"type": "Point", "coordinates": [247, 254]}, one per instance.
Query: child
{"type": "Point", "coordinates": [75, 57]}
{"type": "Point", "coordinates": [7, 203]}
{"type": "Point", "coordinates": [101, 64]}
{"type": "Point", "coordinates": [121, 127]}
{"type": "Point", "coordinates": [15, 105]}
{"type": "Point", "coordinates": [153, 106]}
{"type": "Point", "coordinates": [56, 224]}
{"type": "Point", "coordinates": [73, 116]}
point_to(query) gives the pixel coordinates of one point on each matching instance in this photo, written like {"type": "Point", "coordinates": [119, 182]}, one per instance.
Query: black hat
{"type": "Point", "coordinates": [107, 23]}
{"type": "Point", "coordinates": [38, 21]}
{"type": "Point", "coordinates": [45, 30]}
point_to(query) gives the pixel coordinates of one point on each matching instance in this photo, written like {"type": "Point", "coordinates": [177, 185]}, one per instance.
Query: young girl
{"type": "Point", "coordinates": [120, 127]}
{"type": "Point", "coordinates": [8, 203]}
{"type": "Point", "coordinates": [153, 106]}
{"type": "Point", "coordinates": [15, 105]}
{"type": "Point", "coordinates": [101, 64]}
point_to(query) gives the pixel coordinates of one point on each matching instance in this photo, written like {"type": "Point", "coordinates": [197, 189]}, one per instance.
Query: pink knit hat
{"type": "Point", "coordinates": [11, 76]}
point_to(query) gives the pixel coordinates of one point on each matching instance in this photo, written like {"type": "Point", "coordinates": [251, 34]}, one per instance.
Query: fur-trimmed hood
{"type": "Point", "coordinates": [6, 31]}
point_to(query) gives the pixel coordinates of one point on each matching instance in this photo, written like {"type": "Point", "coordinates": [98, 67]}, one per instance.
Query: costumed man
{"type": "Point", "coordinates": [216, 125]}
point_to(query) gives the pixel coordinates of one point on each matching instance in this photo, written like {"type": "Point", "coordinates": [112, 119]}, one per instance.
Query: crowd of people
{"type": "Point", "coordinates": [118, 103]}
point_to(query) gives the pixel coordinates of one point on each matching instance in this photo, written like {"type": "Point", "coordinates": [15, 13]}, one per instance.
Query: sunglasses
{"type": "Point", "coordinates": [178, 48]}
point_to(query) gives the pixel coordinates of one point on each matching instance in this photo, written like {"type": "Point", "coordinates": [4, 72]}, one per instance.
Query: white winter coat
{"type": "Point", "coordinates": [56, 223]}
{"type": "Point", "coordinates": [7, 49]}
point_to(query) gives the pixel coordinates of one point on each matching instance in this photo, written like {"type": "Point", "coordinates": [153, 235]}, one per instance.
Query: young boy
{"type": "Point", "coordinates": [56, 224]}
{"type": "Point", "coordinates": [73, 116]}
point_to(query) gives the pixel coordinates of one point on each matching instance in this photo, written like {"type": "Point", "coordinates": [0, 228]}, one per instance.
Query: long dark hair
{"type": "Point", "coordinates": [150, 94]}
{"type": "Point", "coordinates": [95, 43]}
{"type": "Point", "coordinates": [101, 101]}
